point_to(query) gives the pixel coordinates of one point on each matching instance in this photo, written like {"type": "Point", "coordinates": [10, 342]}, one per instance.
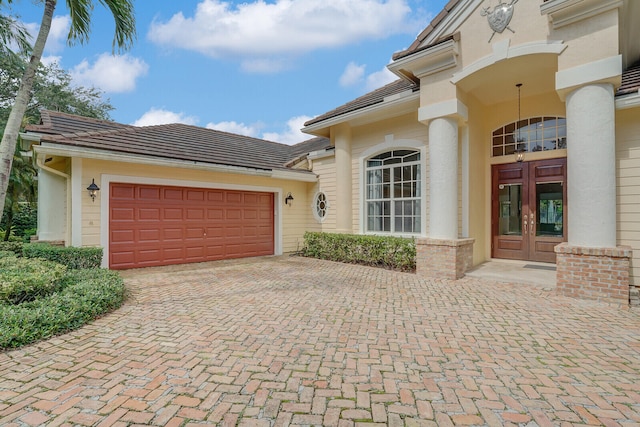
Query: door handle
{"type": "Point", "coordinates": [532, 225]}
{"type": "Point", "coordinates": [525, 224]}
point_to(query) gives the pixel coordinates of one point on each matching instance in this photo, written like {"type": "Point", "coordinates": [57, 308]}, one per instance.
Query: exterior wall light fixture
{"type": "Point", "coordinates": [288, 199]}
{"type": "Point", "coordinates": [93, 189]}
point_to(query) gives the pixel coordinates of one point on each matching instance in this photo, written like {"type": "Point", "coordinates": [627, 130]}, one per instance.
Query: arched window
{"type": "Point", "coordinates": [392, 193]}
{"type": "Point", "coordinates": [529, 135]}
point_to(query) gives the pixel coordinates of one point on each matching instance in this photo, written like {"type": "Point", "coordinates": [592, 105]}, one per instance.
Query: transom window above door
{"type": "Point", "coordinates": [392, 193]}
{"type": "Point", "coordinates": [530, 135]}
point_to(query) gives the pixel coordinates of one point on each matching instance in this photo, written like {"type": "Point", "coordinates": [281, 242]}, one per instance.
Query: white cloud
{"type": "Point", "coordinates": [380, 78]}
{"type": "Point", "coordinates": [110, 73]}
{"type": "Point", "coordinates": [260, 30]}
{"type": "Point", "coordinates": [235, 127]}
{"type": "Point", "coordinates": [292, 134]}
{"type": "Point", "coordinates": [352, 74]}
{"type": "Point", "coordinates": [160, 117]}
{"type": "Point", "coordinates": [57, 39]}
{"type": "Point", "coordinates": [48, 60]}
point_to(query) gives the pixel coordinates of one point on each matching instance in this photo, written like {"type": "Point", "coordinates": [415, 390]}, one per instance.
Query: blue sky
{"type": "Point", "coordinates": [258, 68]}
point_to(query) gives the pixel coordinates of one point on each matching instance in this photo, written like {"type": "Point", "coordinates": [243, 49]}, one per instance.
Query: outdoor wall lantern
{"type": "Point", "coordinates": [288, 199]}
{"type": "Point", "coordinates": [93, 189]}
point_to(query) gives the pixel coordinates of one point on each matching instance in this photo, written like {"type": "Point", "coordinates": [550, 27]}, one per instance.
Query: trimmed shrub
{"type": "Point", "coordinates": [72, 257]}
{"type": "Point", "coordinates": [15, 247]}
{"type": "Point", "coordinates": [84, 296]}
{"type": "Point", "coordinates": [23, 279]}
{"type": "Point", "coordinates": [395, 253]}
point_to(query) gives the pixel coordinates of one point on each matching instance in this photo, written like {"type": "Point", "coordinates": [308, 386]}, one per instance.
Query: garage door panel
{"type": "Point", "coordinates": [154, 225]}
{"type": "Point", "coordinates": [175, 194]}
{"type": "Point", "coordinates": [172, 233]}
{"type": "Point", "coordinates": [149, 193]}
{"type": "Point", "coordinates": [122, 236]}
{"type": "Point", "coordinates": [172, 214]}
{"type": "Point", "coordinates": [195, 214]}
{"type": "Point", "coordinates": [122, 214]}
{"type": "Point", "coordinates": [151, 235]}
{"type": "Point", "coordinates": [149, 214]}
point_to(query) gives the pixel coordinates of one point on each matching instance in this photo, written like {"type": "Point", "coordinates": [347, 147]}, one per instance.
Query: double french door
{"type": "Point", "coordinates": [529, 209]}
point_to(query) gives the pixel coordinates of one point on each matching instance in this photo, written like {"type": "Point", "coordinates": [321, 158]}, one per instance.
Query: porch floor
{"type": "Point", "coordinates": [532, 273]}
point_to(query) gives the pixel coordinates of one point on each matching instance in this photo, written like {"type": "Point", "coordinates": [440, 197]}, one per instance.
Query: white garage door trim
{"type": "Point", "coordinates": [106, 181]}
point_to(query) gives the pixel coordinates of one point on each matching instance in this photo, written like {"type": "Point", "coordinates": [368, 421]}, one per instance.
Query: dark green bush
{"type": "Point", "coordinates": [23, 279]}
{"type": "Point", "coordinates": [72, 257]}
{"type": "Point", "coordinates": [25, 218]}
{"type": "Point", "coordinates": [15, 247]}
{"type": "Point", "coordinates": [394, 253]}
{"type": "Point", "coordinates": [84, 296]}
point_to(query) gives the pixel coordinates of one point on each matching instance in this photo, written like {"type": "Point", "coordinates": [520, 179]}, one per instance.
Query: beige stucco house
{"type": "Point", "coordinates": [512, 132]}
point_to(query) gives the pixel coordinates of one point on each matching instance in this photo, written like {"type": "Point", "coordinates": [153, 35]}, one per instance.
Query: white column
{"type": "Point", "coordinates": [443, 178]}
{"type": "Point", "coordinates": [344, 189]}
{"type": "Point", "coordinates": [591, 166]}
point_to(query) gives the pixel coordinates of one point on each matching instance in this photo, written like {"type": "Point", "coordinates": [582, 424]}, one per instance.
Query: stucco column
{"type": "Point", "coordinates": [443, 178]}
{"type": "Point", "coordinates": [344, 211]}
{"type": "Point", "coordinates": [591, 166]}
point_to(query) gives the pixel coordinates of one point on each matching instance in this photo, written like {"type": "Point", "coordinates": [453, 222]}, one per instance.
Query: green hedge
{"type": "Point", "coordinates": [394, 253]}
{"type": "Point", "coordinates": [84, 296]}
{"type": "Point", "coordinates": [24, 279]}
{"type": "Point", "coordinates": [72, 257]}
{"type": "Point", "coordinates": [15, 247]}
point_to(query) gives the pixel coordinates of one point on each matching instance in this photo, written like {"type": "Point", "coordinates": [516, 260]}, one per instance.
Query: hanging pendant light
{"type": "Point", "coordinates": [520, 145]}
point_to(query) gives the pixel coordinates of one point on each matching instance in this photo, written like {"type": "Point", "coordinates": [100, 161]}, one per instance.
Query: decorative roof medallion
{"type": "Point", "coordinates": [499, 17]}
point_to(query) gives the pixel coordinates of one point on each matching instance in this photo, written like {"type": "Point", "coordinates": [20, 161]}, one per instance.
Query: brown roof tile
{"type": "Point", "coordinates": [56, 123]}
{"type": "Point", "coordinates": [176, 141]}
{"type": "Point", "coordinates": [630, 80]}
{"type": "Point", "coordinates": [371, 98]}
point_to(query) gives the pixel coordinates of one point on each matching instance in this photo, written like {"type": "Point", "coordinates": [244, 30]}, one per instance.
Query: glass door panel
{"type": "Point", "coordinates": [550, 209]}
{"type": "Point", "coordinates": [510, 209]}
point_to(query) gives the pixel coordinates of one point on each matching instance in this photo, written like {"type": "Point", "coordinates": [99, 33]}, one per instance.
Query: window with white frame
{"type": "Point", "coordinates": [320, 206]}
{"type": "Point", "coordinates": [392, 193]}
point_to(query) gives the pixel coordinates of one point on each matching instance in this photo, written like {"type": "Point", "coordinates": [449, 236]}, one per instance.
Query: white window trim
{"type": "Point", "coordinates": [314, 209]}
{"type": "Point", "coordinates": [106, 181]}
{"type": "Point", "coordinates": [390, 144]}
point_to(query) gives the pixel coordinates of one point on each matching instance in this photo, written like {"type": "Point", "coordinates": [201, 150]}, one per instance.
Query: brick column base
{"type": "Point", "coordinates": [447, 259]}
{"type": "Point", "coordinates": [600, 274]}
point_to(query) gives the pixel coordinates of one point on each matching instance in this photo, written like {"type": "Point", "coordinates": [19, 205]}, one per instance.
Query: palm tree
{"type": "Point", "coordinates": [80, 11]}
{"type": "Point", "coordinates": [21, 188]}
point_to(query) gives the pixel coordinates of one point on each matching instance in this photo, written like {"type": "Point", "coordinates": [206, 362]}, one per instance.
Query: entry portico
{"type": "Point", "coordinates": [484, 82]}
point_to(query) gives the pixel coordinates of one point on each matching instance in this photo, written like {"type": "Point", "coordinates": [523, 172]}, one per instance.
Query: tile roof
{"type": "Point", "coordinates": [372, 98]}
{"type": "Point", "coordinates": [56, 123]}
{"type": "Point", "coordinates": [630, 80]}
{"type": "Point", "coordinates": [174, 141]}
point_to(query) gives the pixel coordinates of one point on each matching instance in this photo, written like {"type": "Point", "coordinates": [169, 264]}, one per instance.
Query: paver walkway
{"type": "Point", "coordinates": [295, 341]}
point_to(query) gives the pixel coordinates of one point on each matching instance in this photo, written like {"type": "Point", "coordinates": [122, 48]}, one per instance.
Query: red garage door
{"type": "Point", "coordinates": [152, 225]}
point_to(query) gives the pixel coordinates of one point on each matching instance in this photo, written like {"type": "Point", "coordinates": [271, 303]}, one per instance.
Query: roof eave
{"type": "Point", "coordinates": [363, 115]}
{"type": "Point", "coordinates": [89, 153]}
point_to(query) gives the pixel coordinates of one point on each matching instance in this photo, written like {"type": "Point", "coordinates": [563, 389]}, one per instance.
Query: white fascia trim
{"type": "Point", "coordinates": [107, 179]}
{"type": "Point", "coordinates": [628, 101]}
{"type": "Point", "coordinates": [344, 118]}
{"type": "Point", "coordinates": [565, 12]}
{"type": "Point", "coordinates": [321, 154]}
{"type": "Point", "coordinates": [502, 50]}
{"type": "Point", "coordinates": [89, 153]}
{"type": "Point", "coordinates": [454, 20]}
{"type": "Point", "coordinates": [451, 108]}
{"type": "Point", "coordinates": [607, 70]}
{"type": "Point", "coordinates": [430, 61]}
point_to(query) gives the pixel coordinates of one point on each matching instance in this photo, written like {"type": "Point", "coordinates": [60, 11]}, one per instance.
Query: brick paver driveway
{"type": "Point", "coordinates": [287, 340]}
